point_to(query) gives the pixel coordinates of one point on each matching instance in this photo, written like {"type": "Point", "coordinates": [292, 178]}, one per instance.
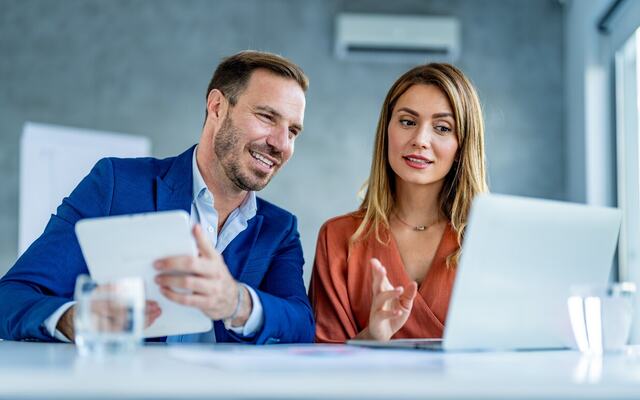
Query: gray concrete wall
{"type": "Point", "coordinates": [142, 67]}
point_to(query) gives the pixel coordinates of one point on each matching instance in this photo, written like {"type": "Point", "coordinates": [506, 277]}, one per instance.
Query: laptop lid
{"type": "Point", "coordinates": [520, 256]}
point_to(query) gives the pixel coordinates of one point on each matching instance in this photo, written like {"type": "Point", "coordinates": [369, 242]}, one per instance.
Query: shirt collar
{"type": "Point", "coordinates": [198, 181]}
{"type": "Point", "coordinates": [248, 207]}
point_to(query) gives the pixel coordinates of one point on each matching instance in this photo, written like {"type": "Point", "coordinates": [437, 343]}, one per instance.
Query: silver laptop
{"type": "Point", "coordinates": [520, 257]}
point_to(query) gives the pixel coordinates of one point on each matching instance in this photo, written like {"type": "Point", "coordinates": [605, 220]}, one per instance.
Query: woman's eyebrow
{"type": "Point", "coordinates": [442, 115]}
{"type": "Point", "coordinates": [410, 111]}
{"type": "Point", "coordinates": [417, 114]}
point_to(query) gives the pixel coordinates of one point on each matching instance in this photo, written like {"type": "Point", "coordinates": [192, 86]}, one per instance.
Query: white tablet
{"type": "Point", "coordinates": [127, 245]}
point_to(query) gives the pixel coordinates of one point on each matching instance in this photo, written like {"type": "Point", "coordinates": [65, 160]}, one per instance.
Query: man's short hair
{"type": "Point", "coordinates": [234, 72]}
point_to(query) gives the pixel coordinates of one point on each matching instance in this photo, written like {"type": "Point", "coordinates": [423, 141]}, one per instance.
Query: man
{"type": "Point", "coordinates": [248, 275]}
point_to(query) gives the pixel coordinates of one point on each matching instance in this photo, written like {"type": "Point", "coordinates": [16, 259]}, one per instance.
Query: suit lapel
{"type": "Point", "coordinates": [241, 249]}
{"type": "Point", "coordinates": [174, 190]}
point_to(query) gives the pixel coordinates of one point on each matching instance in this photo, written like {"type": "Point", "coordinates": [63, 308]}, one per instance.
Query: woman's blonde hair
{"type": "Point", "coordinates": [467, 175]}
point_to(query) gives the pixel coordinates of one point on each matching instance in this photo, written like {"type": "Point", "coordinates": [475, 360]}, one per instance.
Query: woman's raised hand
{"type": "Point", "coordinates": [390, 306]}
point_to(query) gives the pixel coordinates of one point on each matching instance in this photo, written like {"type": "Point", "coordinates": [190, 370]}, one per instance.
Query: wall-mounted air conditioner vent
{"type": "Point", "coordinates": [400, 38]}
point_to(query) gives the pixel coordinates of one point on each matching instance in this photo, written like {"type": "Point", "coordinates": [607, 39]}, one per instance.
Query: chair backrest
{"type": "Point", "coordinates": [53, 160]}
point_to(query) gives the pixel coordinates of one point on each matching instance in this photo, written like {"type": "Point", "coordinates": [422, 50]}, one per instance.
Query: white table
{"type": "Point", "coordinates": [39, 370]}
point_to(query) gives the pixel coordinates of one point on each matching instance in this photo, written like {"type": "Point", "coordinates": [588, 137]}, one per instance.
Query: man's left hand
{"type": "Point", "coordinates": [203, 282]}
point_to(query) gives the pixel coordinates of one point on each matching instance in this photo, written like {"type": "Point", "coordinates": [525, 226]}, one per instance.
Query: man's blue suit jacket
{"type": "Point", "coordinates": [267, 255]}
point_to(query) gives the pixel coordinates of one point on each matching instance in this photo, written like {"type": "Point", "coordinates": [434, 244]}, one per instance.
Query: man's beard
{"type": "Point", "coordinates": [228, 149]}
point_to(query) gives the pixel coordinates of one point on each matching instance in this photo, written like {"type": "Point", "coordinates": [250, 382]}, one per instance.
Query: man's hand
{"type": "Point", "coordinates": [390, 307]}
{"type": "Point", "coordinates": [65, 324]}
{"type": "Point", "coordinates": [203, 282]}
{"type": "Point", "coordinates": [109, 314]}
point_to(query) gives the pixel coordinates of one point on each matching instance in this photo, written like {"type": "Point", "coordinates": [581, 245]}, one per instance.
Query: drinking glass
{"type": "Point", "coordinates": [601, 316]}
{"type": "Point", "coordinates": [109, 318]}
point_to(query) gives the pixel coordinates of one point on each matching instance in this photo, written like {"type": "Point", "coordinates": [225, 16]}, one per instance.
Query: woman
{"type": "Point", "coordinates": [387, 270]}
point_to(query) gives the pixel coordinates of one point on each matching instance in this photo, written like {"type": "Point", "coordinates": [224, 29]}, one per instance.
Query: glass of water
{"type": "Point", "coordinates": [109, 318]}
{"type": "Point", "coordinates": [601, 316]}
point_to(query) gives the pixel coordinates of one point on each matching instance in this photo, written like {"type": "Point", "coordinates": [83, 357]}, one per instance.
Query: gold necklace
{"type": "Point", "coordinates": [419, 228]}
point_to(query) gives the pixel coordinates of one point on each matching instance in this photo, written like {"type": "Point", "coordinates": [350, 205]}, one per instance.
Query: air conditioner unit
{"type": "Point", "coordinates": [399, 38]}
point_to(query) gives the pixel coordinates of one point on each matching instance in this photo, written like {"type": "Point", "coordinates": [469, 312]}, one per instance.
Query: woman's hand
{"type": "Point", "coordinates": [390, 307]}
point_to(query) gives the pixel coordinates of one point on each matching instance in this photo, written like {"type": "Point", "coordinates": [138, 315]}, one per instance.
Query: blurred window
{"type": "Point", "coordinates": [627, 75]}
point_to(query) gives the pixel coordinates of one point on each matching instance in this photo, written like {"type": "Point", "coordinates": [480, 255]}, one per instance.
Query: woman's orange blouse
{"type": "Point", "coordinates": [340, 289]}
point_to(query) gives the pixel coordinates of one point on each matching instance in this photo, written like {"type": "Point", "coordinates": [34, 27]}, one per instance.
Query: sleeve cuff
{"type": "Point", "coordinates": [51, 322]}
{"type": "Point", "coordinates": [256, 318]}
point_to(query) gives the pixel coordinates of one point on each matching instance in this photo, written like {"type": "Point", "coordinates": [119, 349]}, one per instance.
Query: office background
{"type": "Point", "coordinates": [142, 67]}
